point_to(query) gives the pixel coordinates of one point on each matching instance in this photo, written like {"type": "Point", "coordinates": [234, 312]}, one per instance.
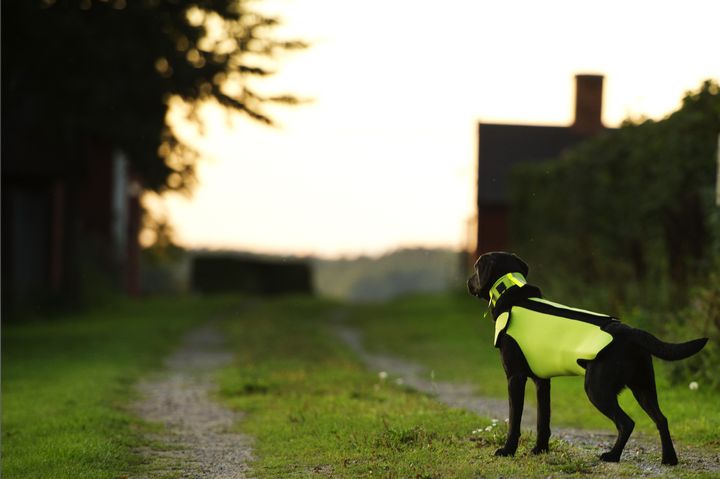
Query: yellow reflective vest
{"type": "Point", "coordinates": [552, 337]}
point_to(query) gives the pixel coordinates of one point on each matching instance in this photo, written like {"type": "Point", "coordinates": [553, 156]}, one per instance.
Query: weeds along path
{"type": "Point", "coordinates": [196, 440]}
{"type": "Point", "coordinates": [417, 377]}
{"type": "Point", "coordinates": [642, 451]}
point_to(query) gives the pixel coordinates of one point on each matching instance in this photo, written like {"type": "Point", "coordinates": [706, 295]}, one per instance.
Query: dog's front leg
{"type": "Point", "coordinates": [516, 396]}
{"type": "Point", "coordinates": [543, 416]}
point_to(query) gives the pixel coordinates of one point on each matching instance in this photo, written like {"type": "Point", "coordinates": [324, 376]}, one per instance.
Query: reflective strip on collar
{"type": "Point", "coordinates": [503, 284]}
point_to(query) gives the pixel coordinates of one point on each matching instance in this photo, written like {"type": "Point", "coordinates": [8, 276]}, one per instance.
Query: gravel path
{"type": "Point", "coordinates": [642, 451]}
{"type": "Point", "coordinates": [196, 441]}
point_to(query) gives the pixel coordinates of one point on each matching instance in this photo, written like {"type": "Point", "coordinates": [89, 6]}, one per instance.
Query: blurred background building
{"type": "Point", "coordinates": [501, 147]}
{"type": "Point", "coordinates": [67, 224]}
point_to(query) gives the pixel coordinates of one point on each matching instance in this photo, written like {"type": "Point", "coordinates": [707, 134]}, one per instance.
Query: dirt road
{"type": "Point", "coordinates": [196, 440]}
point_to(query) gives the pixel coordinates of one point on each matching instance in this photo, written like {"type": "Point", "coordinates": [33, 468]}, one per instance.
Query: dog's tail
{"type": "Point", "coordinates": [663, 350]}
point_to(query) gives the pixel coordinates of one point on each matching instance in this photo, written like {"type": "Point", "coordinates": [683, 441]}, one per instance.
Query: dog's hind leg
{"type": "Point", "coordinates": [603, 394]}
{"type": "Point", "coordinates": [642, 385]}
{"type": "Point", "coordinates": [543, 416]}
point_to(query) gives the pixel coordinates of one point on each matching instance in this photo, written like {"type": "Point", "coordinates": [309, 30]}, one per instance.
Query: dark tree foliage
{"type": "Point", "coordinates": [632, 206]}
{"type": "Point", "coordinates": [107, 69]}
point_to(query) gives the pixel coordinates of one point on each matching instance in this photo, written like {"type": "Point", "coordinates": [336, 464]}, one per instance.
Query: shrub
{"type": "Point", "coordinates": [628, 211]}
{"type": "Point", "coordinates": [700, 319]}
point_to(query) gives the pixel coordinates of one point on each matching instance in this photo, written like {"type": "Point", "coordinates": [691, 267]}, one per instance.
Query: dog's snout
{"type": "Point", "coordinates": [472, 284]}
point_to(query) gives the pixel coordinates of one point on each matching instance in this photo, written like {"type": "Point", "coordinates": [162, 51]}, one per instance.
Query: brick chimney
{"type": "Point", "coordinates": [588, 104]}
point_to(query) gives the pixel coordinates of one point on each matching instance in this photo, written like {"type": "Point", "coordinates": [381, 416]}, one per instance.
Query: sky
{"type": "Point", "coordinates": [385, 155]}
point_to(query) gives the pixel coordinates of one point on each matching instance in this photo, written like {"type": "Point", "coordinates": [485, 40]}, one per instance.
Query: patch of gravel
{"type": "Point", "coordinates": [197, 439]}
{"type": "Point", "coordinates": [463, 396]}
{"type": "Point", "coordinates": [642, 451]}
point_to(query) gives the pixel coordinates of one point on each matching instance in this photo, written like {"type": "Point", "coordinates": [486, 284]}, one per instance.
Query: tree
{"type": "Point", "coordinates": [75, 69]}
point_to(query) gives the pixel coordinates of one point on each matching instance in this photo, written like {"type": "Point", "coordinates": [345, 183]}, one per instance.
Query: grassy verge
{"type": "Point", "coordinates": [311, 406]}
{"type": "Point", "coordinates": [65, 381]}
{"type": "Point", "coordinates": [449, 335]}
{"type": "Point", "coordinates": [316, 412]}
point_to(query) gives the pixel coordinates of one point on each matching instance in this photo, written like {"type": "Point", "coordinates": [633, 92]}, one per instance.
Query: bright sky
{"type": "Point", "coordinates": [385, 156]}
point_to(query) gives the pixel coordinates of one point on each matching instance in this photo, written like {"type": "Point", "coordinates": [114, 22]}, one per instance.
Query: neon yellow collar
{"type": "Point", "coordinates": [503, 284]}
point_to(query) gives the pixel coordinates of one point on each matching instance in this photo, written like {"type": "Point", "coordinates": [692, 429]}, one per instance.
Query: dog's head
{"type": "Point", "coordinates": [489, 268]}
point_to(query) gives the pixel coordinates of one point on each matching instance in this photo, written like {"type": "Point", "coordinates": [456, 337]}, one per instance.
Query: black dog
{"type": "Point", "coordinates": [625, 359]}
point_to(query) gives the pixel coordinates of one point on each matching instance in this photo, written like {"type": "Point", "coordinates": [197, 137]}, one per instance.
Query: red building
{"type": "Point", "coordinates": [501, 147]}
{"type": "Point", "coordinates": [69, 225]}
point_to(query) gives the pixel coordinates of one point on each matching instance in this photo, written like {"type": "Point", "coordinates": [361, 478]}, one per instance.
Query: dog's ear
{"type": "Point", "coordinates": [524, 268]}
{"type": "Point", "coordinates": [484, 267]}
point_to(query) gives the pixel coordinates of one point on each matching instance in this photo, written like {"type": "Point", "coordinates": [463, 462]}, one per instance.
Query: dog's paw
{"type": "Point", "coordinates": [670, 460]}
{"type": "Point", "coordinates": [539, 450]}
{"type": "Point", "coordinates": [610, 457]}
{"type": "Point", "coordinates": [504, 452]}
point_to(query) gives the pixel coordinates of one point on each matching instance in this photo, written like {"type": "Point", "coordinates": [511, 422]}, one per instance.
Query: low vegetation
{"type": "Point", "coordinates": [314, 411]}
{"type": "Point", "coordinates": [410, 270]}
{"type": "Point", "coordinates": [66, 382]}
{"type": "Point", "coordinates": [311, 406]}
{"type": "Point", "coordinates": [450, 337]}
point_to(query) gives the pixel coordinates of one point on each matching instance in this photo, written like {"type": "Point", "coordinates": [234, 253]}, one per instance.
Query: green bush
{"type": "Point", "coordinates": [629, 214]}
{"type": "Point", "coordinates": [700, 319]}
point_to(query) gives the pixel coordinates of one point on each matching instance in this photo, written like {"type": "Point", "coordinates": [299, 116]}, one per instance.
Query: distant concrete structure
{"type": "Point", "coordinates": [250, 274]}
{"type": "Point", "coordinates": [501, 147]}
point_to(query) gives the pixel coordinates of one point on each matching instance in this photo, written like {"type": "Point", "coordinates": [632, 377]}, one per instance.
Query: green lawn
{"type": "Point", "coordinates": [66, 381]}
{"type": "Point", "coordinates": [311, 406]}
{"type": "Point", "coordinates": [316, 412]}
{"type": "Point", "coordinates": [449, 335]}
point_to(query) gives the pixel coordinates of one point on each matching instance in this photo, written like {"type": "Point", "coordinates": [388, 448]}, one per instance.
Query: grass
{"type": "Point", "coordinates": [67, 380]}
{"type": "Point", "coordinates": [449, 335]}
{"type": "Point", "coordinates": [311, 406]}
{"type": "Point", "coordinates": [314, 411]}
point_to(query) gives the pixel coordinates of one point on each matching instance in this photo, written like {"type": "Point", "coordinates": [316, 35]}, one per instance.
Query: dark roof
{"type": "Point", "coordinates": [503, 146]}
